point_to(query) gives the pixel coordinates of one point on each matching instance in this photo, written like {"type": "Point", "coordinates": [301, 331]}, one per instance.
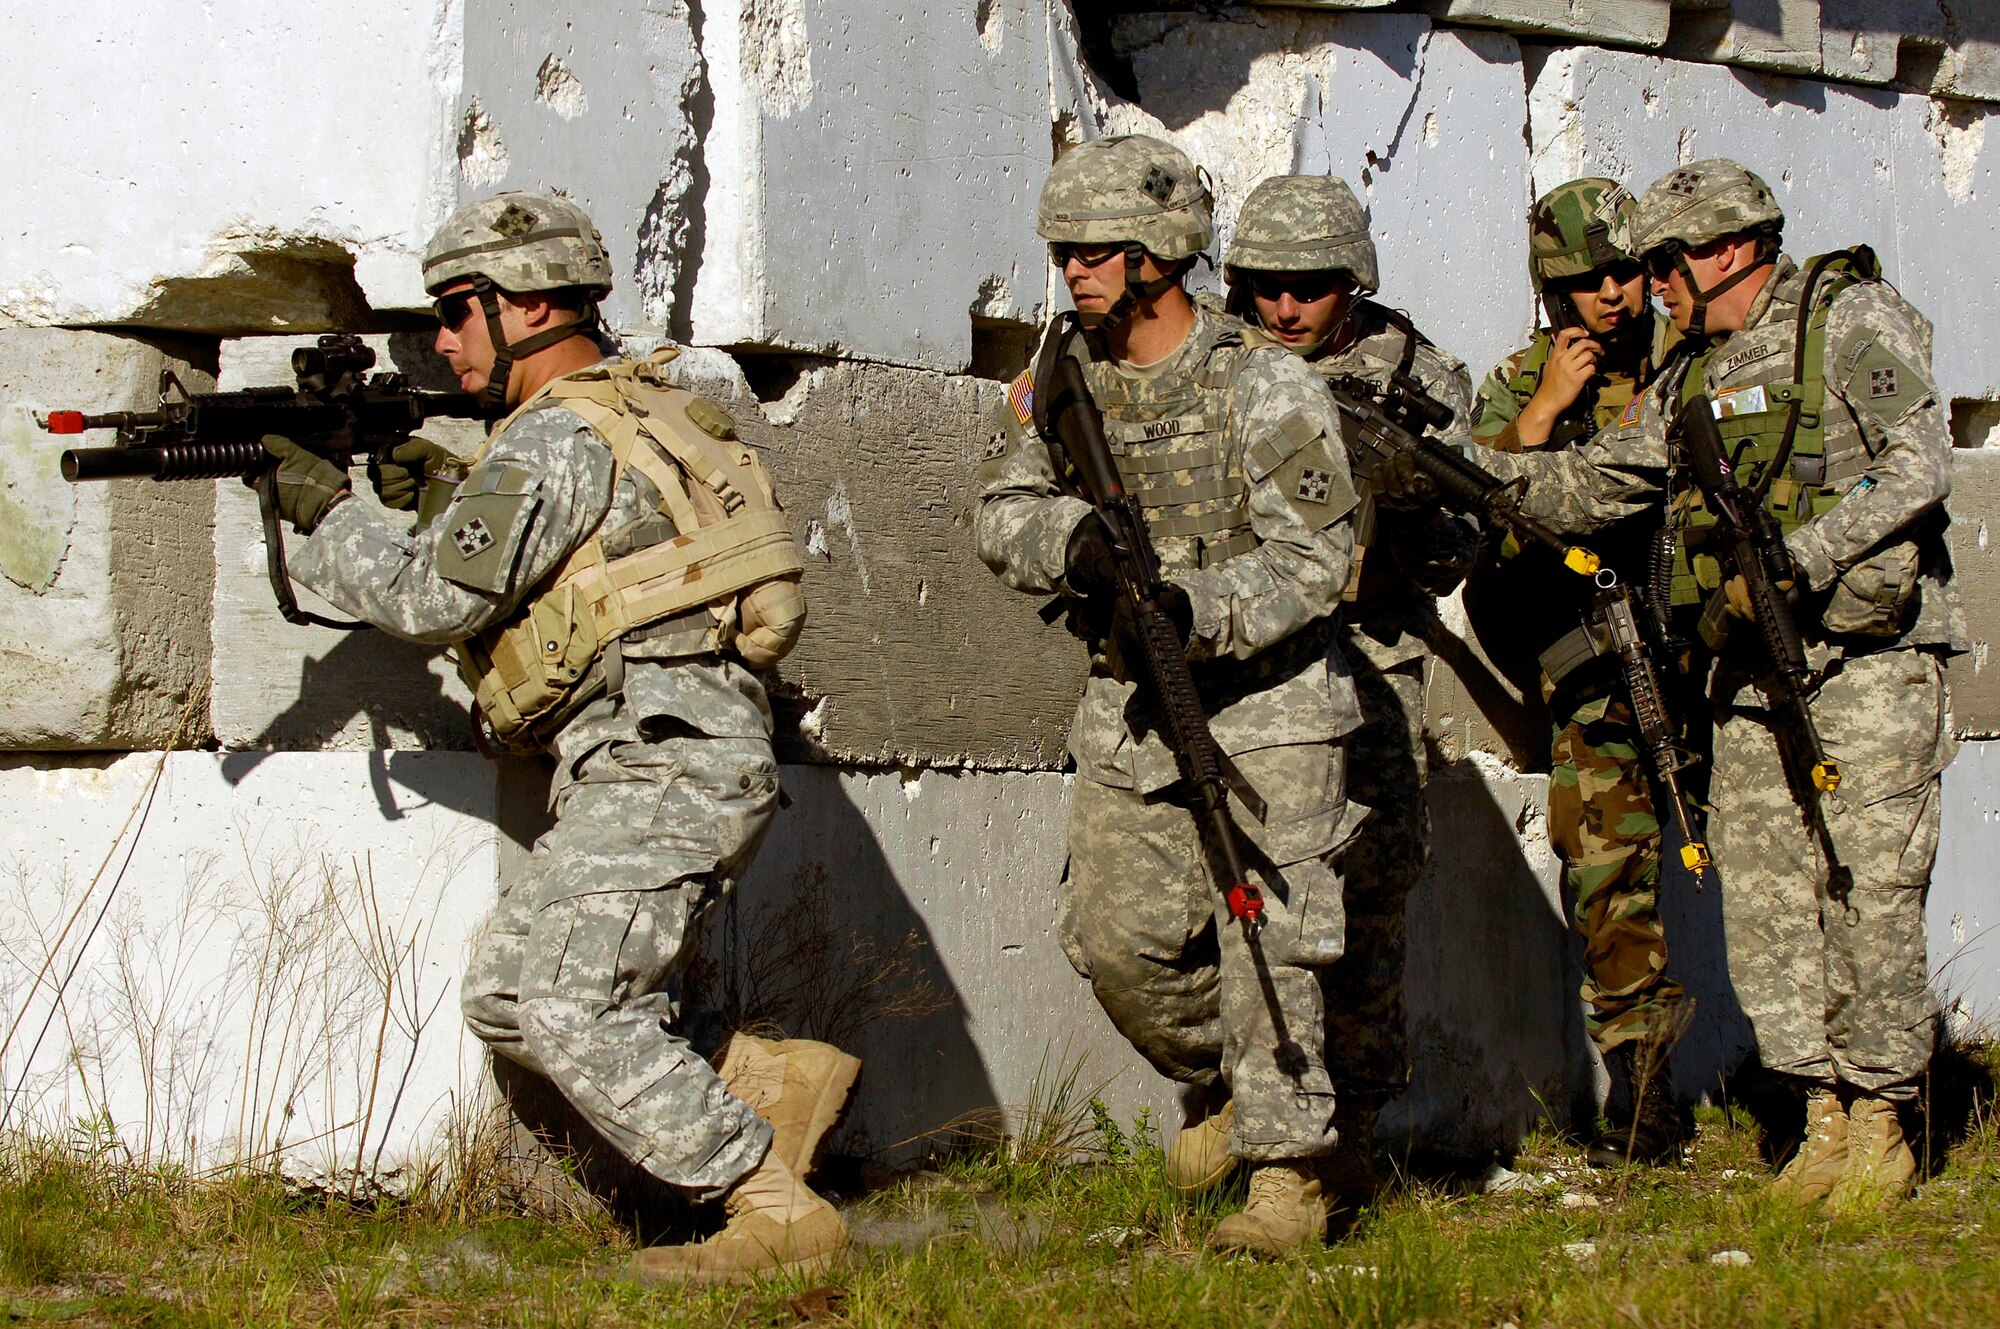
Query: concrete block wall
{"type": "Point", "coordinates": [834, 208]}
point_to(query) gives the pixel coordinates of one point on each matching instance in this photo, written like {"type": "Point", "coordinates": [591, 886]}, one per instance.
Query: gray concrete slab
{"type": "Point", "coordinates": [602, 102]}
{"type": "Point", "coordinates": [873, 175]}
{"type": "Point", "coordinates": [1975, 508]}
{"type": "Point", "coordinates": [104, 603]}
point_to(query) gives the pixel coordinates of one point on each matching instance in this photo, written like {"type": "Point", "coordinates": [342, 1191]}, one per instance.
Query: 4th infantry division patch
{"type": "Point", "coordinates": [472, 538]}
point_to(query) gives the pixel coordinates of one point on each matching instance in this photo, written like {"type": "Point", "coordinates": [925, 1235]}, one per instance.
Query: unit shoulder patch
{"type": "Point", "coordinates": [1315, 485]}
{"type": "Point", "coordinates": [483, 529]}
{"type": "Point", "coordinates": [1884, 384]}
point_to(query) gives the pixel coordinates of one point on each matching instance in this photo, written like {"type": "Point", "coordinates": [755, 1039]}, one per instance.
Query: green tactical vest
{"type": "Point", "coordinates": [1168, 435]}
{"type": "Point", "coordinates": [1774, 432]}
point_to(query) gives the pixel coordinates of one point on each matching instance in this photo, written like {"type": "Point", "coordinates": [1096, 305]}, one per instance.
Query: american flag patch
{"type": "Point", "coordinates": [1021, 396]}
{"type": "Point", "coordinates": [1631, 413]}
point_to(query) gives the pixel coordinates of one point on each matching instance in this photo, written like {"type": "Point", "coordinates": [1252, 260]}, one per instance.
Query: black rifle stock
{"type": "Point", "coordinates": [337, 409]}
{"type": "Point", "coordinates": [1754, 549]}
{"type": "Point", "coordinates": [1070, 421]}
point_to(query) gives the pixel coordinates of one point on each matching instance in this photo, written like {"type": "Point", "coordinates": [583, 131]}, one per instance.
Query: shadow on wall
{"type": "Point", "coordinates": [1496, 1037]}
{"type": "Point", "coordinates": [822, 941]}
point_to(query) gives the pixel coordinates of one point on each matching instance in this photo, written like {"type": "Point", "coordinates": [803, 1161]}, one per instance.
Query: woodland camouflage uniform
{"type": "Point", "coordinates": [1521, 601]}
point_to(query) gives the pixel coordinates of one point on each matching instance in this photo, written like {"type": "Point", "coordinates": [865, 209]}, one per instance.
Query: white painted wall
{"type": "Point", "coordinates": [235, 957]}
{"type": "Point", "coordinates": [160, 143]}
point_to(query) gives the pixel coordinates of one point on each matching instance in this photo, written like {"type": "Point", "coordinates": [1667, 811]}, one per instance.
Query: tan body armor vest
{"type": "Point", "coordinates": [1169, 436]}
{"type": "Point", "coordinates": [733, 556]}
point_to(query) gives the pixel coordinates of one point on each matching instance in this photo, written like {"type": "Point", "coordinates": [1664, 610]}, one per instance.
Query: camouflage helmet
{"type": "Point", "coordinates": [1304, 223]}
{"type": "Point", "coordinates": [1129, 189]}
{"type": "Point", "coordinates": [1701, 202]}
{"type": "Point", "coordinates": [519, 242]}
{"type": "Point", "coordinates": [1579, 227]}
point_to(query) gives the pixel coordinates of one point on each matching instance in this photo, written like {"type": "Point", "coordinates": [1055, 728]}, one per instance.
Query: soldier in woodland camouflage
{"type": "Point", "coordinates": [1821, 384]}
{"type": "Point", "coordinates": [1301, 266]}
{"type": "Point", "coordinates": [1236, 454]}
{"type": "Point", "coordinates": [1577, 376]}
{"type": "Point", "coordinates": [664, 782]}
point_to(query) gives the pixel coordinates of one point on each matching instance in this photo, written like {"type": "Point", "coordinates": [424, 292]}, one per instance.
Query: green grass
{"type": "Point", "coordinates": [1012, 1237]}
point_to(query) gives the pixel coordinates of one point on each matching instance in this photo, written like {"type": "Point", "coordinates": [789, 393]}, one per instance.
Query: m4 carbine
{"type": "Point", "coordinates": [1753, 548]}
{"type": "Point", "coordinates": [336, 409]}
{"type": "Point", "coordinates": [1382, 438]}
{"type": "Point", "coordinates": [1070, 424]}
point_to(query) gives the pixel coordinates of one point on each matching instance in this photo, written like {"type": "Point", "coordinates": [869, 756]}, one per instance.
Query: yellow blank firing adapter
{"type": "Point", "coordinates": [1581, 561]}
{"type": "Point", "coordinates": [1826, 775]}
{"type": "Point", "coordinates": [1694, 857]}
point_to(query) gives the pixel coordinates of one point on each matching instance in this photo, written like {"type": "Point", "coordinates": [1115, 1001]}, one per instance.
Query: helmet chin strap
{"type": "Point", "coordinates": [1698, 317]}
{"type": "Point", "coordinates": [493, 398]}
{"type": "Point", "coordinates": [1128, 299]}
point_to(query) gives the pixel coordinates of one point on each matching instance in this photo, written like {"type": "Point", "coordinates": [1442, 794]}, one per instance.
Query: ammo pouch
{"type": "Point", "coordinates": [1875, 596]}
{"type": "Point", "coordinates": [732, 560]}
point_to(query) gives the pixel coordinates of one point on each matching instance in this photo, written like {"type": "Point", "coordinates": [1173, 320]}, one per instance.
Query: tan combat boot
{"type": "Point", "coordinates": [1287, 1212]}
{"type": "Point", "coordinates": [777, 1225]}
{"type": "Point", "coordinates": [1199, 1159]}
{"type": "Point", "coordinates": [1822, 1157]}
{"type": "Point", "coordinates": [1880, 1166]}
{"type": "Point", "coordinates": [798, 1086]}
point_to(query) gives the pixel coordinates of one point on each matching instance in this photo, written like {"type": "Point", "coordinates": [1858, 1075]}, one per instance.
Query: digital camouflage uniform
{"type": "Point", "coordinates": [662, 792]}
{"type": "Point", "coordinates": [1235, 454]}
{"type": "Point", "coordinates": [1521, 601]}
{"type": "Point", "coordinates": [1833, 992]}
{"type": "Point", "coordinates": [1143, 919]}
{"type": "Point", "coordinates": [1316, 224]}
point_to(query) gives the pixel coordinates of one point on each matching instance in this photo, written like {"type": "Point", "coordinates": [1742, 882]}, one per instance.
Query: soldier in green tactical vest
{"type": "Point", "coordinates": [1603, 343]}
{"type": "Point", "coordinates": [1818, 379]}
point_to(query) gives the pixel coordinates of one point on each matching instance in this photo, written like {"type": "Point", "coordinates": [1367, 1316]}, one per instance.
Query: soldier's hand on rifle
{"type": "Point", "coordinates": [308, 484]}
{"type": "Point", "coordinates": [1404, 483]}
{"type": "Point", "coordinates": [400, 479]}
{"type": "Point", "coordinates": [1090, 568]}
{"type": "Point", "coordinates": [1736, 595]}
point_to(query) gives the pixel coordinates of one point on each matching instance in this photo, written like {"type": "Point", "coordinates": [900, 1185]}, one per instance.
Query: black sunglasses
{"type": "Point", "coordinates": [452, 310]}
{"type": "Point", "coordinates": [1091, 256]}
{"type": "Point", "coordinates": [1303, 287]}
{"type": "Point", "coordinates": [1622, 271]}
{"type": "Point", "coordinates": [1659, 260]}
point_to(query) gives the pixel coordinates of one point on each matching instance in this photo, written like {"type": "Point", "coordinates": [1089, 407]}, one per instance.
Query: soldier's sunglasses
{"type": "Point", "coordinates": [1622, 271]}
{"type": "Point", "coordinates": [1304, 287]}
{"type": "Point", "coordinates": [1091, 256]}
{"type": "Point", "coordinates": [1659, 260]}
{"type": "Point", "coordinates": [452, 310]}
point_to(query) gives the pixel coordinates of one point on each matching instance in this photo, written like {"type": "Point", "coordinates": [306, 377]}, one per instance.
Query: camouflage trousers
{"type": "Point", "coordinates": [1367, 1027]}
{"type": "Point", "coordinates": [571, 976]}
{"type": "Point", "coordinates": [1836, 990]}
{"type": "Point", "coordinates": [1144, 922]}
{"type": "Point", "coordinates": [1603, 825]}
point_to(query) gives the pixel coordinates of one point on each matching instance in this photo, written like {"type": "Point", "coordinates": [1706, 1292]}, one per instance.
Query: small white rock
{"type": "Point", "coordinates": [1578, 1200]}
{"type": "Point", "coordinates": [1581, 1251]}
{"type": "Point", "coordinates": [1733, 1259]}
{"type": "Point", "coordinates": [1730, 1172]}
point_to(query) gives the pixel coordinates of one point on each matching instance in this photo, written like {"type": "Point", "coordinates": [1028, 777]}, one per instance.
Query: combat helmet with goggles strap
{"type": "Point", "coordinates": [518, 243]}
{"type": "Point", "coordinates": [1139, 193]}
{"type": "Point", "coordinates": [1698, 204]}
